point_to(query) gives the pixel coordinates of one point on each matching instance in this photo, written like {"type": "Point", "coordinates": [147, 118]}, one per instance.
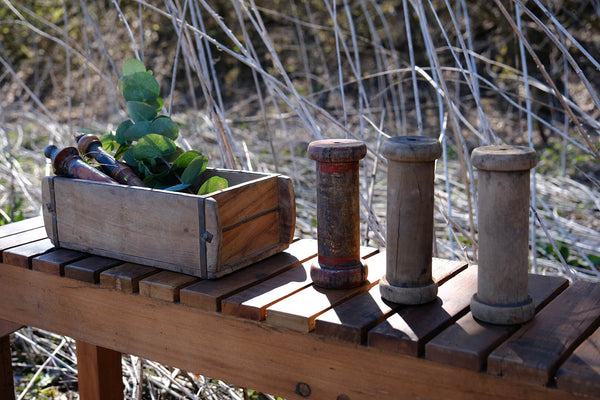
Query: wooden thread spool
{"type": "Point", "coordinates": [503, 223]}
{"type": "Point", "coordinates": [338, 215]}
{"type": "Point", "coordinates": [411, 169]}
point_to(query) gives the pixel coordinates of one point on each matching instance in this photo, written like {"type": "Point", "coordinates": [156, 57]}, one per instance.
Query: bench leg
{"type": "Point", "coordinates": [7, 387]}
{"type": "Point", "coordinates": [99, 372]}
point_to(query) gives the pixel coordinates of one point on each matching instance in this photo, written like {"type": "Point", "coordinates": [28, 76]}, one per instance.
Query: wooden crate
{"type": "Point", "coordinates": [207, 236]}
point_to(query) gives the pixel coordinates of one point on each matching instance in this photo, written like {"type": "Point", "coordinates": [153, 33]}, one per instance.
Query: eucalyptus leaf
{"type": "Point", "coordinates": [165, 126]}
{"type": "Point", "coordinates": [174, 155]}
{"type": "Point", "coordinates": [132, 65]}
{"type": "Point", "coordinates": [139, 111]}
{"type": "Point", "coordinates": [212, 185]}
{"type": "Point", "coordinates": [120, 132]}
{"type": "Point", "coordinates": [178, 187]}
{"type": "Point", "coordinates": [192, 172]}
{"type": "Point", "coordinates": [136, 131]}
{"type": "Point", "coordinates": [186, 158]}
{"type": "Point", "coordinates": [153, 146]}
{"type": "Point", "coordinates": [140, 86]}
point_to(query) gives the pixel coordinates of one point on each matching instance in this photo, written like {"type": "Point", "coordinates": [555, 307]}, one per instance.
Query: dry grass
{"type": "Point", "coordinates": [252, 84]}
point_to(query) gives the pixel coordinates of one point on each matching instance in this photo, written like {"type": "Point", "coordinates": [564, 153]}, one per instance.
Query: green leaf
{"type": "Point", "coordinates": [132, 65]}
{"type": "Point", "coordinates": [140, 111]}
{"type": "Point", "coordinates": [140, 86]}
{"type": "Point", "coordinates": [136, 131]}
{"type": "Point", "coordinates": [212, 185]}
{"type": "Point", "coordinates": [186, 158]}
{"type": "Point", "coordinates": [193, 171]}
{"type": "Point", "coordinates": [109, 142]}
{"type": "Point", "coordinates": [178, 188]}
{"type": "Point", "coordinates": [165, 126]}
{"type": "Point", "coordinates": [153, 146]}
{"type": "Point", "coordinates": [120, 132]}
{"type": "Point", "coordinates": [174, 155]}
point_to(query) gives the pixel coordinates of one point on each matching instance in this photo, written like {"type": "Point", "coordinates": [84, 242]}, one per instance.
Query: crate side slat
{"type": "Point", "coordinates": [287, 208]}
{"type": "Point", "coordinates": [409, 328]}
{"type": "Point", "coordinates": [247, 201]}
{"type": "Point", "coordinates": [244, 240]}
{"type": "Point", "coordinates": [208, 294]}
{"type": "Point", "coordinates": [468, 342]}
{"type": "Point", "coordinates": [299, 311]}
{"type": "Point", "coordinates": [343, 322]}
{"type": "Point", "coordinates": [580, 374]}
{"type": "Point", "coordinates": [534, 352]}
{"type": "Point", "coordinates": [123, 220]}
{"type": "Point", "coordinates": [21, 256]}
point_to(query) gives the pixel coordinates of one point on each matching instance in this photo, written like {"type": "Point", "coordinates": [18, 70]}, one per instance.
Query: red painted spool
{"type": "Point", "coordinates": [338, 215]}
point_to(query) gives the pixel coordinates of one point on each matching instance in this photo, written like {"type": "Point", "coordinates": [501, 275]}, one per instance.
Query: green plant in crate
{"type": "Point", "coordinates": [146, 142]}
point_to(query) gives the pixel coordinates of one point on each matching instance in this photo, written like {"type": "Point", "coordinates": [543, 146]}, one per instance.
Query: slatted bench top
{"type": "Point", "coordinates": [267, 327]}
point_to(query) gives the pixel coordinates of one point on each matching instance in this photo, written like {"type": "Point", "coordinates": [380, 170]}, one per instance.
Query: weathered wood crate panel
{"type": "Point", "coordinates": [207, 236]}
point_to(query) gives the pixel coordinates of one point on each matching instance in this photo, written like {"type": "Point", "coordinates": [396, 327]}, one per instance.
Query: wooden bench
{"type": "Point", "coordinates": [267, 327]}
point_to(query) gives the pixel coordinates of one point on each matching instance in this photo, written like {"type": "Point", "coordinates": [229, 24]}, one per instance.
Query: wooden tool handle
{"type": "Point", "coordinates": [67, 162]}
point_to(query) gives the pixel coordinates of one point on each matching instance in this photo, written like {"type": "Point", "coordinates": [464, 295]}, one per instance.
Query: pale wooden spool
{"type": "Point", "coordinates": [503, 223]}
{"type": "Point", "coordinates": [338, 215]}
{"type": "Point", "coordinates": [411, 169]}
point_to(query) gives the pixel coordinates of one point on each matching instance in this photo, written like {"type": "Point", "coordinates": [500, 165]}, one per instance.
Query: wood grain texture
{"type": "Point", "coordinates": [21, 256]}
{"type": "Point", "coordinates": [165, 285]}
{"type": "Point", "coordinates": [581, 372]}
{"type": "Point", "coordinates": [351, 320]}
{"type": "Point", "coordinates": [245, 240]}
{"type": "Point", "coordinates": [535, 351]}
{"type": "Point", "coordinates": [287, 208]}
{"type": "Point", "coordinates": [54, 262]}
{"type": "Point", "coordinates": [468, 342]}
{"type": "Point", "coordinates": [7, 387]}
{"type": "Point", "coordinates": [21, 226]}
{"type": "Point", "coordinates": [126, 277]}
{"type": "Point", "coordinates": [8, 327]}
{"type": "Point", "coordinates": [21, 238]}
{"type": "Point", "coordinates": [231, 348]}
{"type": "Point", "coordinates": [237, 204]}
{"type": "Point", "coordinates": [208, 294]}
{"type": "Point", "coordinates": [407, 330]}
{"type": "Point", "coordinates": [99, 372]}
{"type": "Point", "coordinates": [88, 269]}
{"type": "Point", "coordinates": [253, 302]}
{"type": "Point", "coordinates": [299, 311]}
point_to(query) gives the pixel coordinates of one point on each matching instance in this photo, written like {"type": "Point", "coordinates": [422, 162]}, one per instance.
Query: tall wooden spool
{"type": "Point", "coordinates": [411, 168]}
{"type": "Point", "coordinates": [503, 223]}
{"type": "Point", "coordinates": [338, 215]}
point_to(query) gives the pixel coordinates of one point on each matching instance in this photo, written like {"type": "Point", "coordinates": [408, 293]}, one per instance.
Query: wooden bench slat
{"type": "Point", "coordinates": [126, 277]}
{"type": "Point", "coordinates": [299, 311]}
{"type": "Point", "coordinates": [54, 262]}
{"type": "Point", "coordinates": [21, 226]}
{"type": "Point", "coordinates": [468, 342]}
{"type": "Point", "coordinates": [534, 352]}
{"type": "Point", "coordinates": [88, 269]}
{"type": "Point", "coordinates": [21, 238]}
{"type": "Point", "coordinates": [7, 390]}
{"type": "Point", "coordinates": [165, 285]}
{"type": "Point", "coordinates": [21, 256]}
{"type": "Point", "coordinates": [8, 327]}
{"type": "Point", "coordinates": [580, 374]}
{"type": "Point", "coordinates": [343, 322]}
{"type": "Point", "coordinates": [252, 303]}
{"type": "Point", "coordinates": [208, 294]}
{"type": "Point", "coordinates": [407, 330]}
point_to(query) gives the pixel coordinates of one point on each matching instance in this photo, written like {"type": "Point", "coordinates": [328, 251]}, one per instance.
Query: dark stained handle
{"type": "Point", "coordinates": [90, 146]}
{"type": "Point", "coordinates": [67, 162]}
